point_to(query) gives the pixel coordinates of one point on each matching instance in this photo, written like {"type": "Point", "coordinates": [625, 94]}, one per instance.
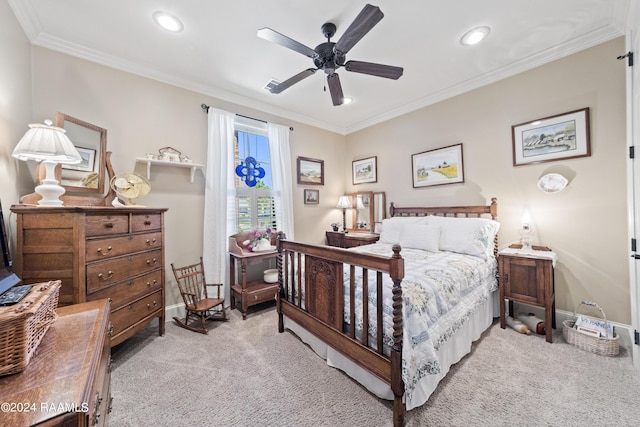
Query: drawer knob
{"type": "Point", "coordinates": [109, 275]}
{"type": "Point", "coordinates": [151, 242]}
{"type": "Point", "coordinates": [151, 261]}
{"type": "Point", "coordinates": [130, 282]}
{"type": "Point", "coordinates": [108, 225]}
{"type": "Point", "coordinates": [152, 305]}
{"type": "Point", "coordinates": [147, 222]}
{"type": "Point", "coordinates": [109, 249]}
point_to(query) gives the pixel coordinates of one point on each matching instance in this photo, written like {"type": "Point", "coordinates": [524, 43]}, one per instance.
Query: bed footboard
{"type": "Point", "coordinates": [312, 293]}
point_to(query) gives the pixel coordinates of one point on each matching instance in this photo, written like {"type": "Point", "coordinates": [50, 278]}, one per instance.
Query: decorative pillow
{"type": "Point", "coordinates": [420, 236]}
{"type": "Point", "coordinates": [472, 236]}
{"type": "Point", "coordinates": [392, 227]}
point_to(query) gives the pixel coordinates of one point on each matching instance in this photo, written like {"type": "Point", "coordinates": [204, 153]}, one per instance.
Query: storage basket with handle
{"type": "Point", "coordinates": [23, 325]}
{"type": "Point", "coordinates": [604, 346]}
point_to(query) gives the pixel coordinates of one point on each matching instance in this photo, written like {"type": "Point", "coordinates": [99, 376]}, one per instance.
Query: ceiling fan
{"type": "Point", "coordinates": [330, 56]}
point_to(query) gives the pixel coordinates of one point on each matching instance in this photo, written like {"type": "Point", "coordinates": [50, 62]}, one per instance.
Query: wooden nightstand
{"type": "Point", "coordinates": [526, 276]}
{"type": "Point", "coordinates": [350, 240]}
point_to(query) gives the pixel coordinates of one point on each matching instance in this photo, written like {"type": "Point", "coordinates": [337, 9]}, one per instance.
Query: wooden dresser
{"type": "Point", "coordinates": [68, 380]}
{"type": "Point", "coordinates": [97, 252]}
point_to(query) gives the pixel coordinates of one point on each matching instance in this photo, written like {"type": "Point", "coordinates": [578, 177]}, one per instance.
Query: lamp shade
{"type": "Point", "coordinates": [46, 142]}
{"type": "Point", "coordinates": [49, 145]}
{"type": "Point", "coordinates": [359, 204]}
{"type": "Point", "coordinates": [344, 202]}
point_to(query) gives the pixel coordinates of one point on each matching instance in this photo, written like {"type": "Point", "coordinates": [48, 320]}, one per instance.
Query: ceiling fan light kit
{"type": "Point", "coordinates": [330, 56]}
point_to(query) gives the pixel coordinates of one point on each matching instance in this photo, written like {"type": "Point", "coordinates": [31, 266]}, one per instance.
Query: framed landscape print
{"type": "Point", "coordinates": [311, 197]}
{"type": "Point", "coordinates": [310, 171]}
{"type": "Point", "coordinates": [437, 167]}
{"type": "Point", "coordinates": [365, 170]}
{"type": "Point", "coordinates": [563, 136]}
{"type": "Point", "coordinates": [88, 160]}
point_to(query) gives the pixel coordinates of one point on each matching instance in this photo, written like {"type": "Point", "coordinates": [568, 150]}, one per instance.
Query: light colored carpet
{"type": "Point", "coordinates": [246, 373]}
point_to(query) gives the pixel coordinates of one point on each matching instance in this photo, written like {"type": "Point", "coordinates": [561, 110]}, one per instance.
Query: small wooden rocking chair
{"type": "Point", "coordinates": [199, 306]}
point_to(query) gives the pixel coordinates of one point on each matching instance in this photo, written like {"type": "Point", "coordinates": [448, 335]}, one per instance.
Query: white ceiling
{"type": "Point", "coordinates": [219, 54]}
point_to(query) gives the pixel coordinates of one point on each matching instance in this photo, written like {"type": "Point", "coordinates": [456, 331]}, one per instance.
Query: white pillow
{"type": "Point", "coordinates": [392, 227]}
{"type": "Point", "coordinates": [421, 236]}
{"type": "Point", "coordinates": [472, 236]}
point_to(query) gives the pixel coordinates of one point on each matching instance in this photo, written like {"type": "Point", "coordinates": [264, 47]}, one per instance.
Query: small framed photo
{"type": "Point", "coordinates": [88, 160]}
{"type": "Point", "coordinates": [310, 171]}
{"type": "Point", "coordinates": [437, 167]}
{"type": "Point", "coordinates": [563, 136]}
{"type": "Point", "coordinates": [365, 170]}
{"type": "Point", "coordinates": [311, 197]}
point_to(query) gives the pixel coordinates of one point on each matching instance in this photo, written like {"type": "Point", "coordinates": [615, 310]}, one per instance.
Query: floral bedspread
{"type": "Point", "coordinates": [441, 291]}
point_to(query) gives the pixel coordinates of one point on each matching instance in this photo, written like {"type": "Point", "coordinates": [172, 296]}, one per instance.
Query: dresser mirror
{"type": "Point", "coordinates": [91, 142]}
{"type": "Point", "coordinates": [367, 209]}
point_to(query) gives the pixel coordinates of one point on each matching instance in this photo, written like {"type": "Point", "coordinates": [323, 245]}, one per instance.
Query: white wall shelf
{"type": "Point", "coordinates": [192, 166]}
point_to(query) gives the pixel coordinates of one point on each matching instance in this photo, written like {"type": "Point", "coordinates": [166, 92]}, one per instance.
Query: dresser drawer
{"type": "Point", "coordinates": [100, 225]}
{"type": "Point", "coordinates": [146, 222]}
{"type": "Point", "coordinates": [104, 273]}
{"type": "Point", "coordinates": [115, 246]}
{"type": "Point", "coordinates": [129, 290]}
{"type": "Point", "coordinates": [132, 313]}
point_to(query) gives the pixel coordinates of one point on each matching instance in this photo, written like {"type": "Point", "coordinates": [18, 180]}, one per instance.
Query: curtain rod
{"type": "Point", "coordinates": [205, 108]}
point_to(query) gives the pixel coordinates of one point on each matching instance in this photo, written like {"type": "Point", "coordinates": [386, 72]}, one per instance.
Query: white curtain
{"type": "Point", "coordinates": [281, 176]}
{"type": "Point", "coordinates": [219, 198]}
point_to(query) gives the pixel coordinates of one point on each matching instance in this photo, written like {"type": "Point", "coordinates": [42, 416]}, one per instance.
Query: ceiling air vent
{"type": "Point", "coordinates": [271, 84]}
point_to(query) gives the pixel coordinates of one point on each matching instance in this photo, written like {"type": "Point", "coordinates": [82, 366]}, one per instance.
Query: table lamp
{"type": "Point", "coordinates": [344, 203]}
{"type": "Point", "coordinates": [50, 145]}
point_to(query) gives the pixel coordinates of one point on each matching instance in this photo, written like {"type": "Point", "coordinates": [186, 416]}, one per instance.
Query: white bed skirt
{"type": "Point", "coordinates": [451, 352]}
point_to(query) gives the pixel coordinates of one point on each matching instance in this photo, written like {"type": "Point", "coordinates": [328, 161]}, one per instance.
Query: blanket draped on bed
{"type": "Point", "coordinates": [441, 291]}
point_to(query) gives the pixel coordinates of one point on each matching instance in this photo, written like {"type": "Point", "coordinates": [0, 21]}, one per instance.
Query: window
{"type": "Point", "coordinates": [255, 208]}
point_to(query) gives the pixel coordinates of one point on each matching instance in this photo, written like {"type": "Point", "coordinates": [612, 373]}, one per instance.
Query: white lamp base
{"type": "Point", "coordinates": [50, 190]}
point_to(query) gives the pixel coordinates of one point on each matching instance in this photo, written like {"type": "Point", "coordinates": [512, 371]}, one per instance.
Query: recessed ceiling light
{"type": "Point", "coordinates": [474, 36]}
{"type": "Point", "coordinates": [346, 100]}
{"type": "Point", "coordinates": [167, 21]}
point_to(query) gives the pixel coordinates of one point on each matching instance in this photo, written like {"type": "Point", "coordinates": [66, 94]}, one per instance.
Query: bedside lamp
{"type": "Point", "coordinates": [50, 145]}
{"type": "Point", "coordinates": [344, 203]}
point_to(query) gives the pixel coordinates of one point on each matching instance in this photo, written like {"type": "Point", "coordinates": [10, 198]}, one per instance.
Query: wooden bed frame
{"type": "Point", "coordinates": [322, 311]}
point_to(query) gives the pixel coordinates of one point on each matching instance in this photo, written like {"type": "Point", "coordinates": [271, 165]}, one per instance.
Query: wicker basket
{"type": "Point", "coordinates": [23, 325]}
{"type": "Point", "coordinates": [604, 346]}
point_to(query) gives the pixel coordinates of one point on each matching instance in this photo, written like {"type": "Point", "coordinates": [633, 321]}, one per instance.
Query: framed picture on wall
{"type": "Point", "coordinates": [311, 197]}
{"type": "Point", "coordinates": [559, 137]}
{"type": "Point", "coordinates": [365, 170]}
{"type": "Point", "coordinates": [437, 167]}
{"type": "Point", "coordinates": [310, 171]}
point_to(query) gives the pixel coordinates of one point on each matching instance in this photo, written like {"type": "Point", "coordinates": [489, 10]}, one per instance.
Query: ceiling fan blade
{"type": "Point", "coordinates": [335, 88]}
{"type": "Point", "coordinates": [380, 70]}
{"type": "Point", "coordinates": [368, 17]}
{"type": "Point", "coordinates": [293, 80]}
{"type": "Point", "coordinates": [282, 40]}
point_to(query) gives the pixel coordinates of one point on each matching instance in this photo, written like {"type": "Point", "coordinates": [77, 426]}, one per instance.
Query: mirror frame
{"type": "Point", "coordinates": [376, 198]}
{"type": "Point", "coordinates": [100, 166]}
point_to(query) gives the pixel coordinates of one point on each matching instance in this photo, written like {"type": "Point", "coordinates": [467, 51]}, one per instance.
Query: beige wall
{"type": "Point", "coordinates": [585, 224]}
{"type": "Point", "coordinates": [15, 105]}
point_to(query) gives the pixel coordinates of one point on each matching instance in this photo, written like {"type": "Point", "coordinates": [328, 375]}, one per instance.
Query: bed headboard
{"type": "Point", "coordinates": [463, 211]}
{"type": "Point", "coordinates": [477, 211]}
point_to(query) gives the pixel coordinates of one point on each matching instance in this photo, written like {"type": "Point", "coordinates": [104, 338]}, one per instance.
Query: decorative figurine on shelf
{"type": "Point", "coordinates": [335, 226]}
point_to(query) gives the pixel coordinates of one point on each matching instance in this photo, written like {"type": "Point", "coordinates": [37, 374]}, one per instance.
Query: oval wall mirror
{"type": "Point", "coordinates": [91, 142]}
